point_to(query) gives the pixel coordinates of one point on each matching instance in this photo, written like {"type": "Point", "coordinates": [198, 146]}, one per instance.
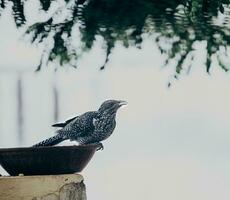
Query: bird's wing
{"type": "Point", "coordinates": [64, 123]}
{"type": "Point", "coordinates": [82, 125]}
{"type": "Point", "coordinates": [85, 122]}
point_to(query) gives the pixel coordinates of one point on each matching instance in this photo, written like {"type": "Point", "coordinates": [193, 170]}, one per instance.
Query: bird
{"type": "Point", "coordinates": [91, 127]}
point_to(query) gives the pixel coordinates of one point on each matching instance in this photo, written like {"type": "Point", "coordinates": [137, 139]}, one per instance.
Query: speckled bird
{"type": "Point", "coordinates": [88, 128]}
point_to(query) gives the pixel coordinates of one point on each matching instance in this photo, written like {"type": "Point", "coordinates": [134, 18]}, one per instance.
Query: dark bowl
{"type": "Point", "coordinates": [46, 160]}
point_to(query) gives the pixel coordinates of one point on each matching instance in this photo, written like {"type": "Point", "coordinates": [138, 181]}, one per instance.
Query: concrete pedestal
{"type": "Point", "coordinates": [52, 187]}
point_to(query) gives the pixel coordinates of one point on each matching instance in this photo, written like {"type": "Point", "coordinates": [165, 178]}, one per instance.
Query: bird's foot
{"type": "Point", "coordinates": [100, 146]}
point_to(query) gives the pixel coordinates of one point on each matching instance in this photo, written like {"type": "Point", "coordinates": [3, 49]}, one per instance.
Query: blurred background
{"type": "Point", "coordinates": [170, 142]}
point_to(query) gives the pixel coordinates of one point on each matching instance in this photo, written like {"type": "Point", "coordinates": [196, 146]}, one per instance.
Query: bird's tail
{"type": "Point", "coordinates": [50, 141]}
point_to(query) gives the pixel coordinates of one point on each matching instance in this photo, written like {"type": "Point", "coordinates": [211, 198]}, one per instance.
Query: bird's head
{"type": "Point", "coordinates": [111, 106]}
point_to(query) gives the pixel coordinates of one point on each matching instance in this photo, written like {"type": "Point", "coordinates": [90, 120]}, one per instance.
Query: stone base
{"type": "Point", "coordinates": [52, 187]}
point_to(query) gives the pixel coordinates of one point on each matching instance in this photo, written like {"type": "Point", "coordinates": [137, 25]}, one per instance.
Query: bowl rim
{"type": "Point", "coordinates": [86, 146]}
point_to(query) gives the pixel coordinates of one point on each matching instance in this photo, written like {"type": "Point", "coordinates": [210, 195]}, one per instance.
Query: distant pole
{"type": "Point", "coordinates": [20, 119]}
{"type": "Point", "coordinates": [55, 100]}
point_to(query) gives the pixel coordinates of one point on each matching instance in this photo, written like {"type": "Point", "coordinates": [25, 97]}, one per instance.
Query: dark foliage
{"type": "Point", "coordinates": [176, 25]}
{"type": "Point", "coordinates": [2, 5]}
{"type": "Point", "coordinates": [45, 4]}
{"type": "Point", "coordinates": [18, 13]}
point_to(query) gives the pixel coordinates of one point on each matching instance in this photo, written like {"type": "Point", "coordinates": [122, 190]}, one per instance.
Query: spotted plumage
{"type": "Point", "coordinates": [90, 127]}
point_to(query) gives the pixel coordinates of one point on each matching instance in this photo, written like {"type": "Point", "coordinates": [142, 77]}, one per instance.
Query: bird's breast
{"type": "Point", "coordinates": [104, 128]}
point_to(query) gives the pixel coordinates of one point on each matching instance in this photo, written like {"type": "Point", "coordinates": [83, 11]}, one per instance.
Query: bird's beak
{"type": "Point", "coordinates": [122, 103]}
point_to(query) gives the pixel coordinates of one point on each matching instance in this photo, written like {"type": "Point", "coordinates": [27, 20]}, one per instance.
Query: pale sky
{"type": "Point", "coordinates": [168, 144]}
